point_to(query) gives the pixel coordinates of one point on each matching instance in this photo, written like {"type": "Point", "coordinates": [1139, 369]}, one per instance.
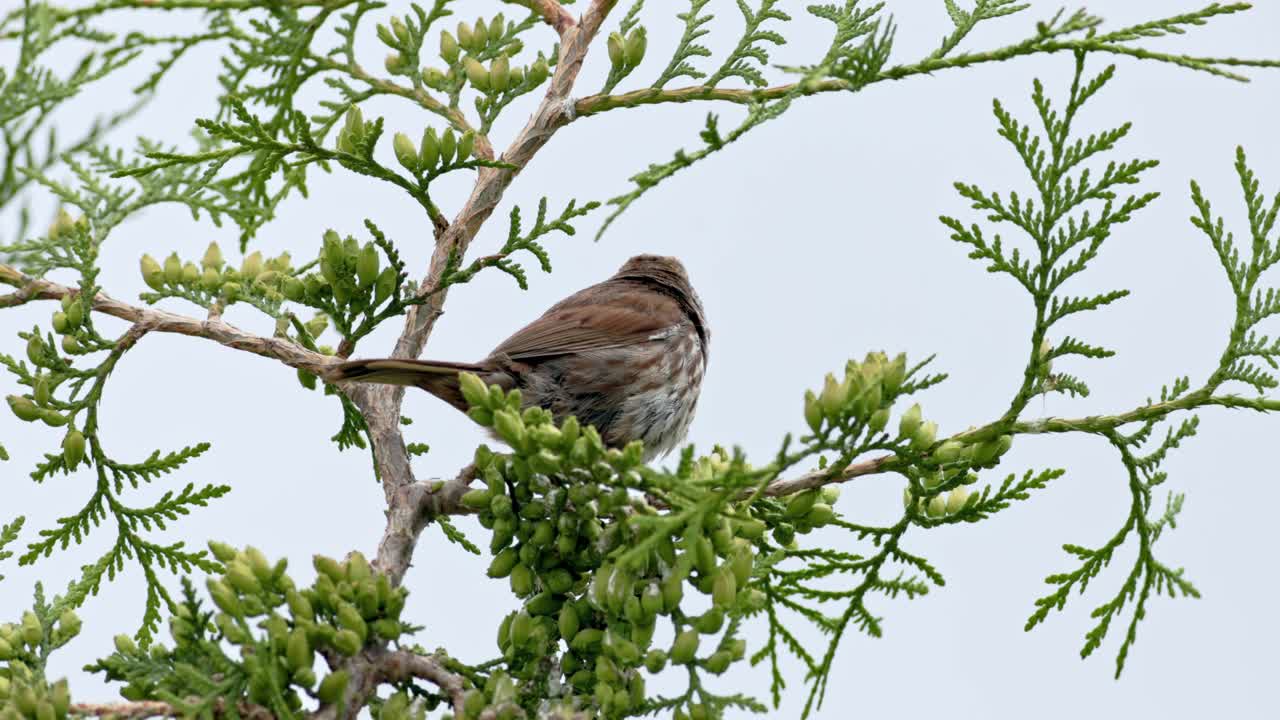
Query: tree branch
{"type": "Point", "coordinates": [552, 11]}
{"type": "Point", "coordinates": [402, 665]}
{"type": "Point", "coordinates": [555, 111]}
{"type": "Point", "coordinates": [381, 666]}
{"type": "Point", "coordinates": [818, 478]}
{"type": "Point", "coordinates": [420, 96]}
{"type": "Point", "coordinates": [137, 710]}
{"type": "Point", "coordinates": [595, 104]}
{"type": "Point", "coordinates": [124, 710]}
{"type": "Point", "coordinates": [1098, 424]}
{"type": "Point", "coordinates": [1094, 424]}
{"type": "Point", "coordinates": [153, 320]}
{"type": "Point", "coordinates": [410, 509]}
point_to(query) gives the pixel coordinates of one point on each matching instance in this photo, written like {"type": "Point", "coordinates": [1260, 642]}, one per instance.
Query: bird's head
{"type": "Point", "coordinates": [669, 273]}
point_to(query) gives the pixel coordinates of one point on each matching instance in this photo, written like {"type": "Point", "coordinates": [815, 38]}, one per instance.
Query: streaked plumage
{"type": "Point", "coordinates": [626, 355]}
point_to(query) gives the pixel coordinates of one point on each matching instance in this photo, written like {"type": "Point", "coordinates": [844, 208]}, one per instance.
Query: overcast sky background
{"type": "Point", "coordinates": [813, 240]}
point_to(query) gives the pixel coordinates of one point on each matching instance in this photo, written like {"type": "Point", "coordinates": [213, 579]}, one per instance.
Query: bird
{"type": "Point", "coordinates": [626, 355]}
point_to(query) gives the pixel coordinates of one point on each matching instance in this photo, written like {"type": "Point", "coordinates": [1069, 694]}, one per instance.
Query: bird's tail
{"type": "Point", "coordinates": [438, 378]}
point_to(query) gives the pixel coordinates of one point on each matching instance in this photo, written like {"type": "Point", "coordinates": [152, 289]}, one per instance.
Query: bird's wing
{"type": "Point", "coordinates": [573, 328]}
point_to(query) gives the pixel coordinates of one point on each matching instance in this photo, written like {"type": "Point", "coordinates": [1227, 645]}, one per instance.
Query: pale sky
{"type": "Point", "coordinates": [813, 240]}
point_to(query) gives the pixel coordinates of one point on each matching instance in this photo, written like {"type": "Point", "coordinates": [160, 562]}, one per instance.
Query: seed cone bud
{"type": "Point", "coordinates": [353, 128]}
{"type": "Point", "coordinates": [957, 499]}
{"type": "Point", "coordinates": [384, 286]}
{"type": "Point", "coordinates": [617, 56]}
{"type": "Point", "coordinates": [949, 452]}
{"type": "Point", "coordinates": [32, 630]}
{"type": "Point", "coordinates": [812, 411]}
{"type": "Point", "coordinates": [538, 71]}
{"type": "Point", "coordinates": [684, 647]}
{"type": "Point", "coordinates": [402, 32]}
{"type": "Point", "coordinates": [833, 397]}
{"type": "Point", "coordinates": [23, 408]}
{"type": "Point", "coordinates": [367, 264]}
{"type": "Point", "coordinates": [212, 257]}
{"type": "Point", "coordinates": [800, 504]}
{"type": "Point", "coordinates": [43, 390]}
{"type": "Point", "coordinates": [429, 150]}
{"type": "Point", "coordinates": [820, 514]}
{"type": "Point", "coordinates": [406, 153]}
{"type": "Point", "coordinates": [152, 273]}
{"type": "Point", "coordinates": [434, 78]}
{"type": "Point", "coordinates": [332, 687]}
{"type": "Point", "coordinates": [925, 435]}
{"type": "Point", "coordinates": [909, 422]}
{"type": "Point", "coordinates": [448, 145]}
{"type": "Point", "coordinates": [172, 269]}
{"type": "Point", "coordinates": [62, 225]}
{"type": "Point", "coordinates": [36, 351]}
{"type": "Point", "coordinates": [210, 280]}
{"type": "Point", "coordinates": [293, 288]}
{"type": "Point", "coordinates": [477, 74]}
{"type": "Point", "coordinates": [937, 507]}
{"type": "Point", "coordinates": [72, 449]}
{"type": "Point", "coordinates": [448, 47]}
{"type": "Point", "coordinates": [251, 268]}
{"type": "Point", "coordinates": [724, 588]}
{"type": "Point", "coordinates": [499, 73]}
{"type": "Point", "coordinates": [466, 146]}
{"type": "Point", "coordinates": [634, 47]}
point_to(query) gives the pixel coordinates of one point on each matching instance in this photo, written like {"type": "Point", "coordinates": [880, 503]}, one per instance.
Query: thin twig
{"type": "Point", "coordinates": [154, 708]}
{"type": "Point", "coordinates": [154, 320]}
{"type": "Point", "coordinates": [552, 11]}
{"type": "Point", "coordinates": [818, 478]}
{"type": "Point", "coordinates": [555, 111]}
{"type": "Point", "coordinates": [595, 104]}
{"type": "Point", "coordinates": [401, 665]}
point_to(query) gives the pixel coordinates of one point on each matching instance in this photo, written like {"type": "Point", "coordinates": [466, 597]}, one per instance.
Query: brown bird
{"type": "Point", "coordinates": [626, 355]}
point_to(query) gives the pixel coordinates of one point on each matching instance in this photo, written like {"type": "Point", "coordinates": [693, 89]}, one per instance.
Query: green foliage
{"type": "Point", "coordinates": [1245, 347]}
{"type": "Point", "coordinates": [601, 553]}
{"type": "Point", "coordinates": [32, 91]}
{"type": "Point", "coordinates": [752, 46]}
{"type": "Point", "coordinates": [688, 47]}
{"type": "Point", "coordinates": [350, 286]}
{"type": "Point", "coordinates": [9, 534]}
{"type": "Point", "coordinates": [966, 20]}
{"type": "Point", "coordinates": [1066, 239]}
{"type": "Point", "coordinates": [1148, 575]}
{"type": "Point", "coordinates": [626, 47]}
{"type": "Point", "coordinates": [597, 568]}
{"type": "Point", "coordinates": [859, 54]}
{"type": "Point", "coordinates": [456, 275]}
{"type": "Point", "coordinates": [65, 393]}
{"type": "Point", "coordinates": [1055, 218]}
{"type": "Point", "coordinates": [25, 646]}
{"type": "Point", "coordinates": [277, 632]}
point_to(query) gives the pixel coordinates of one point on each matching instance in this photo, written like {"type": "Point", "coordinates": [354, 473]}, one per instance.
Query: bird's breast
{"type": "Point", "coordinates": [661, 409]}
{"type": "Point", "coordinates": [644, 391]}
